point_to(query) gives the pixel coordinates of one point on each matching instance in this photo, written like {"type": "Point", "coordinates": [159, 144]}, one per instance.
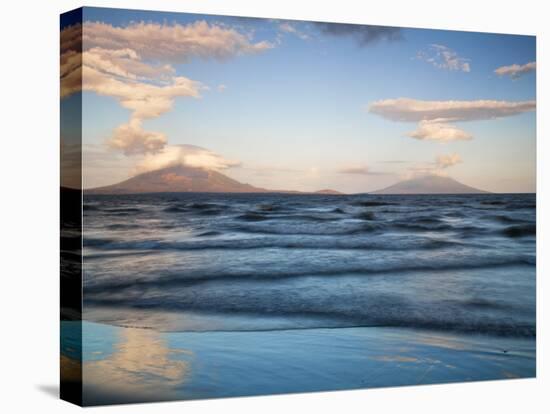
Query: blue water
{"type": "Point", "coordinates": [123, 365]}
{"type": "Point", "coordinates": [253, 262]}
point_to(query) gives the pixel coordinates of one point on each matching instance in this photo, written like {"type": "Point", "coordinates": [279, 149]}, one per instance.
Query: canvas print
{"type": "Point", "coordinates": [263, 206]}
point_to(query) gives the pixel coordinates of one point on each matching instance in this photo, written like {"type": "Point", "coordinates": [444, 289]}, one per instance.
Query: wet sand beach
{"type": "Point", "coordinates": [138, 365]}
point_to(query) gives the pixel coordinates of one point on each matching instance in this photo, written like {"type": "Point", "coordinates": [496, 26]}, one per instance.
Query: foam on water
{"type": "Point", "coordinates": [275, 261]}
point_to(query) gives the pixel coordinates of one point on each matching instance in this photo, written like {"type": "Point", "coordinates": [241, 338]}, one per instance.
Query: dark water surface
{"type": "Point", "coordinates": [239, 262]}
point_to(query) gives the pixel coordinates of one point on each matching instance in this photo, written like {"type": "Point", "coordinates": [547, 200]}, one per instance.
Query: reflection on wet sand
{"type": "Point", "coordinates": [142, 367]}
{"type": "Point", "coordinates": [125, 365]}
{"type": "Point", "coordinates": [439, 341]}
{"type": "Point", "coordinates": [71, 369]}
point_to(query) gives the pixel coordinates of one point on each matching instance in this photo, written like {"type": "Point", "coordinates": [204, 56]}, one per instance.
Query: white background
{"type": "Point", "coordinates": [29, 163]}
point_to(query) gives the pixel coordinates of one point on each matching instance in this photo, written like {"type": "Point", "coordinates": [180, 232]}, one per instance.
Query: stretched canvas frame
{"type": "Point", "coordinates": [188, 272]}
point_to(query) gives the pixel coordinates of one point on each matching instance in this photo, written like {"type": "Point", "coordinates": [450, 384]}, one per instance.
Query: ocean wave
{"type": "Point", "coordinates": [373, 203]}
{"type": "Point", "coordinates": [269, 207]}
{"type": "Point", "coordinates": [205, 206]}
{"type": "Point", "coordinates": [175, 209]}
{"type": "Point", "coordinates": [255, 216]}
{"type": "Point", "coordinates": [122, 226]}
{"type": "Point", "coordinates": [196, 208]}
{"type": "Point", "coordinates": [434, 225]}
{"type": "Point", "coordinates": [507, 219]}
{"type": "Point", "coordinates": [521, 206]}
{"type": "Point", "coordinates": [493, 202]}
{"type": "Point", "coordinates": [252, 216]}
{"type": "Point", "coordinates": [520, 231]}
{"type": "Point", "coordinates": [199, 277]}
{"type": "Point", "coordinates": [460, 263]}
{"type": "Point", "coordinates": [301, 230]}
{"type": "Point", "coordinates": [268, 243]}
{"type": "Point", "coordinates": [366, 215]}
{"type": "Point", "coordinates": [116, 210]}
{"type": "Point", "coordinates": [209, 234]}
{"type": "Point", "coordinates": [384, 311]}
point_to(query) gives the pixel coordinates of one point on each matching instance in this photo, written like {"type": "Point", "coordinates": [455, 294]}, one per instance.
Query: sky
{"type": "Point", "coordinates": [295, 105]}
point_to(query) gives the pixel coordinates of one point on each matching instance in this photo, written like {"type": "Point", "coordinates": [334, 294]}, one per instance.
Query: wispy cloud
{"type": "Point", "coordinates": [435, 117]}
{"type": "Point", "coordinates": [360, 170]}
{"type": "Point", "coordinates": [436, 167]}
{"type": "Point", "coordinates": [443, 57]}
{"type": "Point", "coordinates": [446, 161]}
{"type": "Point", "coordinates": [133, 64]}
{"type": "Point", "coordinates": [414, 110]}
{"type": "Point", "coordinates": [175, 43]}
{"type": "Point", "coordinates": [291, 28]}
{"type": "Point", "coordinates": [516, 71]}
{"type": "Point", "coordinates": [365, 35]}
{"type": "Point", "coordinates": [393, 162]}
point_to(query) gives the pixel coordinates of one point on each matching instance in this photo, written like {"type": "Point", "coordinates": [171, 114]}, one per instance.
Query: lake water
{"type": "Point", "coordinates": [270, 261]}
{"type": "Point", "coordinates": [239, 283]}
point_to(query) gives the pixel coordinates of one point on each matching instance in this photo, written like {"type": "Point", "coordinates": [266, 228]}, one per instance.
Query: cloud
{"type": "Point", "coordinates": [288, 27]}
{"type": "Point", "coordinates": [133, 64]}
{"type": "Point", "coordinates": [126, 63]}
{"type": "Point", "coordinates": [185, 155]}
{"type": "Point", "coordinates": [71, 39]}
{"type": "Point", "coordinates": [131, 139]}
{"type": "Point", "coordinates": [446, 161]}
{"type": "Point", "coordinates": [413, 110]}
{"type": "Point", "coordinates": [176, 43]}
{"type": "Point", "coordinates": [439, 131]}
{"type": "Point", "coordinates": [365, 35]}
{"type": "Point", "coordinates": [516, 71]}
{"type": "Point", "coordinates": [355, 170]}
{"type": "Point", "coordinates": [443, 57]}
{"type": "Point", "coordinates": [144, 99]}
{"type": "Point", "coordinates": [434, 117]}
{"type": "Point", "coordinates": [221, 87]}
{"type": "Point", "coordinates": [437, 167]}
{"type": "Point", "coordinates": [361, 170]}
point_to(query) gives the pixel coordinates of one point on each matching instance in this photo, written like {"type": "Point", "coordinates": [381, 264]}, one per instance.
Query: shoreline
{"type": "Point", "coordinates": [137, 365]}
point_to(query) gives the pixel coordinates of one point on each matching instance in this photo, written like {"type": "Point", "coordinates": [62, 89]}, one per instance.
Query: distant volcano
{"type": "Point", "coordinates": [328, 191]}
{"type": "Point", "coordinates": [178, 179]}
{"type": "Point", "coordinates": [430, 184]}
{"type": "Point", "coordinates": [182, 179]}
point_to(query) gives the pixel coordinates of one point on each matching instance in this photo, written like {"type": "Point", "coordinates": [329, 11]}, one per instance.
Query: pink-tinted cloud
{"type": "Point", "coordinates": [185, 155]}
{"type": "Point", "coordinates": [436, 167]}
{"type": "Point", "coordinates": [446, 161]}
{"type": "Point", "coordinates": [132, 139]}
{"type": "Point", "coordinates": [174, 43]}
{"type": "Point", "coordinates": [435, 117]}
{"type": "Point", "coordinates": [133, 64]}
{"type": "Point", "coordinates": [515, 71]}
{"type": "Point", "coordinates": [359, 170]}
{"type": "Point", "coordinates": [439, 131]}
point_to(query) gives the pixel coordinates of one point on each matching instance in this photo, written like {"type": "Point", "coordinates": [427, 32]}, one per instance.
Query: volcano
{"type": "Point", "coordinates": [429, 184]}
{"type": "Point", "coordinates": [178, 179]}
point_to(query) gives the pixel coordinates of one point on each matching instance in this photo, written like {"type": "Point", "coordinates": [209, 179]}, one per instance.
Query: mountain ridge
{"type": "Point", "coordinates": [429, 184]}
{"type": "Point", "coordinates": [180, 178]}
{"type": "Point", "coordinates": [183, 179]}
{"type": "Point", "coordinates": [177, 179]}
